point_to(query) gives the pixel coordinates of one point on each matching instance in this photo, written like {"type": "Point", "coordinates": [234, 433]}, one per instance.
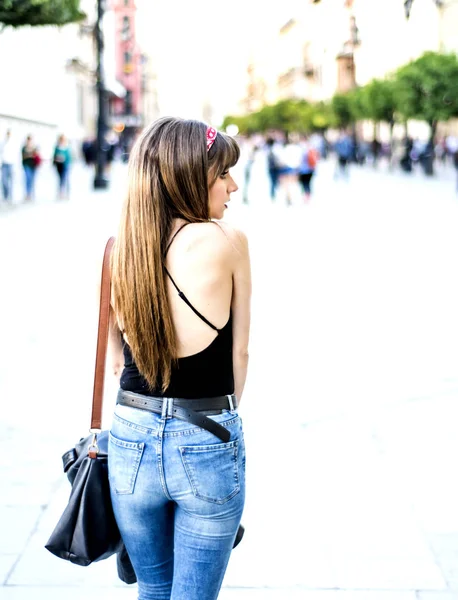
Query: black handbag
{"type": "Point", "coordinates": [87, 530]}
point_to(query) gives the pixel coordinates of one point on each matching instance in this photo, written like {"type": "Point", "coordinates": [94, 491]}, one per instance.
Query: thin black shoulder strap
{"type": "Point", "coordinates": [180, 293]}
{"type": "Point", "coordinates": [183, 297]}
{"type": "Point", "coordinates": [173, 237]}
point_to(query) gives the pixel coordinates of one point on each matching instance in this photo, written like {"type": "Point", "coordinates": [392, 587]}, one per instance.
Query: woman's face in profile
{"type": "Point", "coordinates": [219, 194]}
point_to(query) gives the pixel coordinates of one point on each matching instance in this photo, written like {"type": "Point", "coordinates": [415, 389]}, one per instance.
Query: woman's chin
{"type": "Point", "coordinates": [218, 215]}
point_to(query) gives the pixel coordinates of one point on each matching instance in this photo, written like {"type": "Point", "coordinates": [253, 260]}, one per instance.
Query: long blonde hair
{"type": "Point", "coordinates": [170, 173]}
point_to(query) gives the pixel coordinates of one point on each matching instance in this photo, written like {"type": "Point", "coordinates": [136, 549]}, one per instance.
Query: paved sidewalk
{"type": "Point", "coordinates": [349, 412]}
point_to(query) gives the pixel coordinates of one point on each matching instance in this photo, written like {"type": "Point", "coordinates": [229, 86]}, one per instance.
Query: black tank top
{"type": "Point", "coordinates": [203, 375]}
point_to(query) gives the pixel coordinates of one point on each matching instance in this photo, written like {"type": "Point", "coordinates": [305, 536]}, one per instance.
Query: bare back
{"type": "Point", "coordinates": [201, 263]}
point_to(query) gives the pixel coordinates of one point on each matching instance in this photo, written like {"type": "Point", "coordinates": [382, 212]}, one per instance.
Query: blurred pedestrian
{"type": "Point", "coordinates": [386, 151]}
{"type": "Point", "coordinates": [344, 151]}
{"type": "Point", "coordinates": [455, 164]}
{"type": "Point", "coordinates": [290, 157]}
{"type": "Point", "coordinates": [88, 150]}
{"type": "Point", "coordinates": [362, 152]}
{"type": "Point", "coordinates": [177, 476]}
{"type": "Point", "coordinates": [376, 150]}
{"type": "Point", "coordinates": [126, 143]}
{"type": "Point", "coordinates": [319, 142]}
{"type": "Point", "coordinates": [406, 158]}
{"type": "Point", "coordinates": [62, 161]}
{"type": "Point", "coordinates": [440, 151]}
{"type": "Point", "coordinates": [31, 160]}
{"type": "Point", "coordinates": [249, 150]}
{"type": "Point", "coordinates": [451, 145]}
{"type": "Point", "coordinates": [111, 144]}
{"type": "Point", "coordinates": [307, 167]}
{"type": "Point", "coordinates": [7, 159]}
{"type": "Point", "coordinates": [426, 157]}
{"type": "Point", "coordinates": [273, 166]}
{"type": "Point", "coordinates": [417, 149]}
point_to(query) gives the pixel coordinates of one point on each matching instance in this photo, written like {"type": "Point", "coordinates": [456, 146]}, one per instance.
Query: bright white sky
{"type": "Point", "coordinates": [201, 49]}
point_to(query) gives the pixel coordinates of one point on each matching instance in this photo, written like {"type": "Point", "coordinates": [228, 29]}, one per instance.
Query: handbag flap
{"type": "Point", "coordinates": [68, 459]}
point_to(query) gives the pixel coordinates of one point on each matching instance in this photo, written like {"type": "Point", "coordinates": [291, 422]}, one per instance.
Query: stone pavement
{"type": "Point", "coordinates": [349, 412]}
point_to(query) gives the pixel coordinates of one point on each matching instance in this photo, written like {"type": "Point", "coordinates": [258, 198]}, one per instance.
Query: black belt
{"type": "Point", "coordinates": [188, 410]}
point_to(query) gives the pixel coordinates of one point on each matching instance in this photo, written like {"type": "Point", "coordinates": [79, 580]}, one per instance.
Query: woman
{"type": "Point", "coordinates": [30, 162]}
{"type": "Point", "coordinates": [273, 166]}
{"type": "Point", "coordinates": [307, 167]}
{"type": "Point", "coordinates": [179, 336]}
{"type": "Point", "coordinates": [62, 160]}
{"type": "Point", "coordinates": [290, 156]}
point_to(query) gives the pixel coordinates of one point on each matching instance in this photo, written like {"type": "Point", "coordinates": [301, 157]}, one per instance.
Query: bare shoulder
{"type": "Point", "coordinates": [216, 237]}
{"type": "Point", "coordinates": [235, 236]}
{"type": "Point", "coordinates": [231, 242]}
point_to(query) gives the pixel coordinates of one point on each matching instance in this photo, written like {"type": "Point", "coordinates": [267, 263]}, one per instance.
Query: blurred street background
{"type": "Point", "coordinates": [346, 113]}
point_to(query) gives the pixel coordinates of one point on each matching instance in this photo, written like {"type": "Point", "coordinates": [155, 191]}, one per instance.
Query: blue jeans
{"type": "Point", "coordinates": [29, 180]}
{"type": "Point", "coordinates": [7, 181]}
{"type": "Point", "coordinates": [178, 494]}
{"type": "Point", "coordinates": [273, 176]}
{"type": "Point", "coordinates": [63, 172]}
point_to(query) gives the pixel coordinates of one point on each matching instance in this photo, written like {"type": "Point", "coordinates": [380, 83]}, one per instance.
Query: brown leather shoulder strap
{"type": "Point", "coordinates": [102, 338]}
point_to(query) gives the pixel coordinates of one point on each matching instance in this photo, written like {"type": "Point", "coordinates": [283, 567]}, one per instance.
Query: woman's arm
{"type": "Point", "coordinates": [240, 306]}
{"type": "Point", "coordinates": [115, 347]}
{"type": "Point", "coordinates": [114, 350]}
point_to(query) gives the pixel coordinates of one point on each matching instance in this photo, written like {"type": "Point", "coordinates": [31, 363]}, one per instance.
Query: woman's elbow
{"type": "Point", "coordinates": [117, 370]}
{"type": "Point", "coordinates": [241, 355]}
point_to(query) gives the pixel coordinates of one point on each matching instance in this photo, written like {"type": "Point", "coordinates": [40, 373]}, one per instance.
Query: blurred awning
{"type": "Point", "coordinates": [115, 88]}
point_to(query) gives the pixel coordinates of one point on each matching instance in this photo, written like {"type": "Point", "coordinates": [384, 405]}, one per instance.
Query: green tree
{"type": "Point", "coordinates": [291, 115]}
{"type": "Point", "coordinates": [427, 89]}
{"type": "Point", "coordinates": [18, 13]}
{"type": "Point", "coordinates": [343, 110]}
{"type": "Point", "coordinates": [268, 117]}
{"type": "Point", "coordinates": [321, 116]}
{"type": "Point", "coordinates": [288, 115]}
{"type": "Point", "coordinates": [378, 99]}
{"type": "Point", "coordinates": [247, 124]}
{"type": "Point", "coordinates": [358, 108]}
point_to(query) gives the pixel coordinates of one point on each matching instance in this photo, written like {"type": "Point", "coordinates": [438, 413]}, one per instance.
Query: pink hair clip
{"type": "Point", "coordinates": [211, 137]}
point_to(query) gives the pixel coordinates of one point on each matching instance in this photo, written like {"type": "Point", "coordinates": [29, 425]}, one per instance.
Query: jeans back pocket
{"type": "Point", "coordinates": [123, 463]}
{"type": "Point", "coordinates": [212, 471]}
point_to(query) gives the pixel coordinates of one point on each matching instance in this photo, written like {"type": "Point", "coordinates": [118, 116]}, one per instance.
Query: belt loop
{"type": "Point", "coordinates": [169, 408]}
{"type": "Point", "coordinates": [231, 404]}
{"type": "Point", "coordinates": [165, 406]}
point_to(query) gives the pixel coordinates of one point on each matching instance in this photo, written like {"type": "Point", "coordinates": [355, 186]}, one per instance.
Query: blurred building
{"type": "Point", "coordinates": [149, 87]}
{"type": "Point", "coordinates": [448, 26]}
{"type": "Point", "coordinates": [48, 78]}
{"type": "Point", "coordinates": [134, 70]}
{"type": "Point", "coordinates": [48, 85]}
{"type": "Point", "coordinates": [311, 56]}
{"type": "Point", "coordinates": [126, 111]}
{"type": "Point", "coordinates": [115, 90]}
{"type": "Point", "coordinates": [330, 46]}
{"type": "Point", "coordinates": [390, 40]}
{"type": "Point", "coordinates": [255, 96]}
